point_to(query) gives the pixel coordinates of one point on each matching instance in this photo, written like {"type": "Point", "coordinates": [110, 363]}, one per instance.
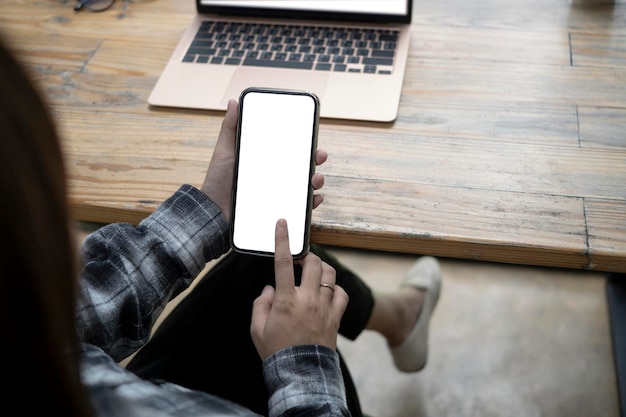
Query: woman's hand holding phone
{"type": "Point", "coordinates": [218, 180]}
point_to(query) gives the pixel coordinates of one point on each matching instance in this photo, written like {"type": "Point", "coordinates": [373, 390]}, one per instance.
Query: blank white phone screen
{"type": "Point", "coordinates": [274, 169]}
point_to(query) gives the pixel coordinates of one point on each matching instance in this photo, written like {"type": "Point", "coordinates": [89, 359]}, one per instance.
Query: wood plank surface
{"type": "Point", "coordinates": [509, 146]}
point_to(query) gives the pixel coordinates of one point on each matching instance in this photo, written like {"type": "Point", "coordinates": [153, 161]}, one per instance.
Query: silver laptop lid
{"type": "Point", "coordinates": [378, 11]}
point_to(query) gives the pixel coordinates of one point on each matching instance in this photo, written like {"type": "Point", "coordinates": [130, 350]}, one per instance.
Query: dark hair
{"type": "Point", "coordinates": [38, 287]}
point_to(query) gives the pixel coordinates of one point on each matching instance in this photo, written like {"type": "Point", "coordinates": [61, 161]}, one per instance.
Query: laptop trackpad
{"type": "Point", "coordinates": [244, 77]}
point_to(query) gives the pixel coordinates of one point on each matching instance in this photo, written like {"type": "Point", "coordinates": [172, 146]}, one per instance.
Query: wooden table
{"type": "Point", "coordinates": [510, 144]}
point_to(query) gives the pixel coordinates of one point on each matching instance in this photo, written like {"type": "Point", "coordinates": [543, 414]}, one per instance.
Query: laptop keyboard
{"type": "Point", "coordinates": [321, 48]}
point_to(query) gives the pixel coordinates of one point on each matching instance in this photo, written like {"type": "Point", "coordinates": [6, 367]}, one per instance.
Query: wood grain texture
{"type": "Point", "coordinates": [509, 146]}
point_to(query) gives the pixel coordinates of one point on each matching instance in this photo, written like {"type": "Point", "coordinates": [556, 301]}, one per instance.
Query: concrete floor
{"type": "Point", "coordinates": [505, 341]}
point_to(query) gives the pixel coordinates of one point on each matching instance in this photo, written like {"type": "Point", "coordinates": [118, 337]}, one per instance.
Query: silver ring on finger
{"type": "Point", "coordinates": [330, 287]}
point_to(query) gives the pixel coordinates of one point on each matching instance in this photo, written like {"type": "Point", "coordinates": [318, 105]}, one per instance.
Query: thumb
{"type": "Point", "coordinates": [260, 311]}
{"type": "Point", "coordinates": [226, 138]}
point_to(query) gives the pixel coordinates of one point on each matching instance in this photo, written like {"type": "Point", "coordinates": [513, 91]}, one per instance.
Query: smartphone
{"type": "Point", "coordinates": [274, 165]}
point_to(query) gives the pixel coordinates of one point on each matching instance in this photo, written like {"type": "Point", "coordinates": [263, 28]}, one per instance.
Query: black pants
{"type": "Point", "coordinates": [205, 343]}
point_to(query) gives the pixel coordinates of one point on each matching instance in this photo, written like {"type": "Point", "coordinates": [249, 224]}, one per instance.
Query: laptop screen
{"type": "Point", "coordinates": [384, 11]}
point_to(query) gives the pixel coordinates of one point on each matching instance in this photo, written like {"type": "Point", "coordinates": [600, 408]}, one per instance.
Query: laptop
{"type": "Point", "coordinates": [352, 54]}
